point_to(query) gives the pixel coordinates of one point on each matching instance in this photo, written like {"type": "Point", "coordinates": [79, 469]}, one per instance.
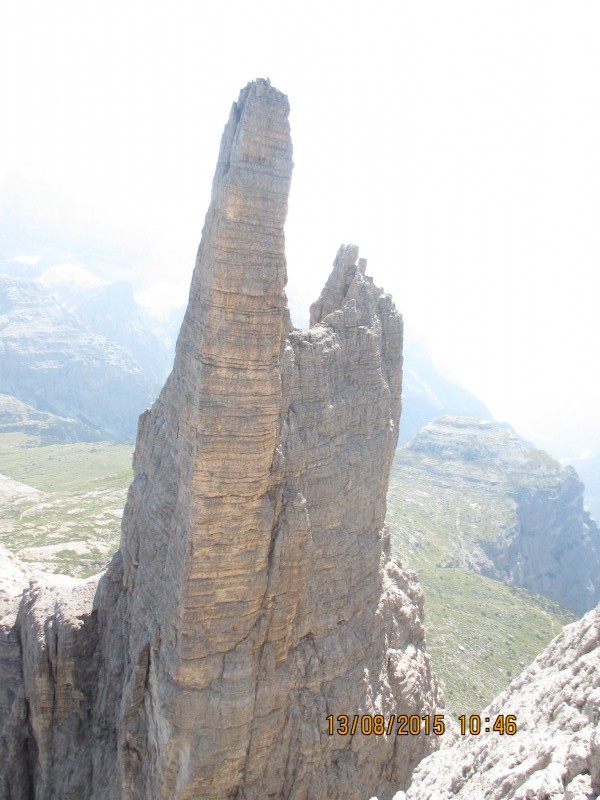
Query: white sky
{"type": "Point", "coordinates": [458, 143]}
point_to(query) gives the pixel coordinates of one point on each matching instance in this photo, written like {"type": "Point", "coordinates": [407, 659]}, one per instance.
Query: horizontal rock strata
{"type": "Point", "coordinates": [253, 594]}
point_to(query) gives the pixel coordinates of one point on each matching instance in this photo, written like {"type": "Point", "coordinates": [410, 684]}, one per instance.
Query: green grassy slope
{"type": "Point", "coordinates": [74, 527]}
{"type": "Point", "coordinates": [480, 632]}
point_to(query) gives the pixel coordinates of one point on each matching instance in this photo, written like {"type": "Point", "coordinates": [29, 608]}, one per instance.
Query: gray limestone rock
{"type": "Point", "coordinates": [555, 752]}
{"type": "Point", "coordinates": [253, 594]}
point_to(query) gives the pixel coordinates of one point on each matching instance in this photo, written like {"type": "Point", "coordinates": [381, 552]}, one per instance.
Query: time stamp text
{"type": "Point", "coordinates": [414, 725]}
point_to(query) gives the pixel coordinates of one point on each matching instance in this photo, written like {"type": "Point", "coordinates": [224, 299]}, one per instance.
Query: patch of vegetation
{"type": "Point", "coordinates": [480, 632]}
{"type": "Point", "coordinates": [65, 467]}
{"type": "Point", "coordinates": [74, 527]}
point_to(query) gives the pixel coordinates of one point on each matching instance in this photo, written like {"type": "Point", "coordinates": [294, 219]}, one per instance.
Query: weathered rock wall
{"type": "Point", "coordinates": [556, 551]}
{"type": "Point", "coordinates": [49, 666]}
{"type": "Point", "coordinates": [253, 593]}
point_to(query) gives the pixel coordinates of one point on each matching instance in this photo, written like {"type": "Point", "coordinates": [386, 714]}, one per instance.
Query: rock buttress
{"type": "Point", "coordinates": [253, 594]}
{"type": "Point", "coordinates": [537, 533]}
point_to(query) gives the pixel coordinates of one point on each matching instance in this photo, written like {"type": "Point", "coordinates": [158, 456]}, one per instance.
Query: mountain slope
{"type": "Point", "coordinates": [49, 360]}
{"type": "Point", "coordinates": [444, 513]}
{"type": "Point", "coordinates": [527, 525]}
{"type": "Point", "coordinates": [16, 416]}
{"type": "Point", "coordinates": [110, 310]}
{"type": "Point", "coordinates": [61, 505]}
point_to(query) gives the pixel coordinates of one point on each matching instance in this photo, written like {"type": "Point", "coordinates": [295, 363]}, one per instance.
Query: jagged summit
{"type": "Point", "coordinates": [347, 268]}
{"type": "Point", "coordinates": [253, 594]}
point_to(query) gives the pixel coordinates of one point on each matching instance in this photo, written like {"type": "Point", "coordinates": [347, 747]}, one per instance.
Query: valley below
{"type": "Point", "coordinates": [61, 505]}
{"type": "Point", "coordinates": [61, 508]}
{"type": "Point", "coordinates": [480, 632]}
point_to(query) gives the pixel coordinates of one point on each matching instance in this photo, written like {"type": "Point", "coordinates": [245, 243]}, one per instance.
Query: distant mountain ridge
{"type": "Point", "coordinates": [52, 362]}
{"type": "Point", "coordinates": [528, 526]}
{"type": "Point", "coordinates": [110, 310]}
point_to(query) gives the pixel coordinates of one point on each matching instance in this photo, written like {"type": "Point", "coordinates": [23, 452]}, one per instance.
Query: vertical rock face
{"type": "Point", "coordinates": [253, 594]}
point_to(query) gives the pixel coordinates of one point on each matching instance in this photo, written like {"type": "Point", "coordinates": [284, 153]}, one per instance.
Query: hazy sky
{"type": "Point", "coordinates": [457, 143]}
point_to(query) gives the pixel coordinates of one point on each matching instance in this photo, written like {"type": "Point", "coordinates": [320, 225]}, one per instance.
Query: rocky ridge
{"type": "Point", "coordinates": [528, 527]}
{"type": "Point", "coordinates": [253, 594]}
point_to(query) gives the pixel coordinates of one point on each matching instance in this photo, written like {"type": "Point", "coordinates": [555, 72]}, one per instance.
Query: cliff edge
{"type": "Point", "coordinates": [528, 526]}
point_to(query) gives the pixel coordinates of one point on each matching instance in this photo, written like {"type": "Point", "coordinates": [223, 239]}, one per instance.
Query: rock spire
{"type": "Point", "coordinates": [253, 594]}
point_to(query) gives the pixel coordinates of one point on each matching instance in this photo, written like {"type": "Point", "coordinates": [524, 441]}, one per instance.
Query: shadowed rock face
{"type": "Point", "coordinates": [253, 594]}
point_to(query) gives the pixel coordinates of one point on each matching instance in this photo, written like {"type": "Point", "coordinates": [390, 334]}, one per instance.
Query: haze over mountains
{"type": "Point", "coordinates": [77, 346]}
{"type": "Point", "coordinates": [588, 469]}
{"type": "Point", "coordinates": [84, 319]}
{"type": "Point", "coordinates": [51, 361]}
{"type": "Point", "coordinates": [34, 242]}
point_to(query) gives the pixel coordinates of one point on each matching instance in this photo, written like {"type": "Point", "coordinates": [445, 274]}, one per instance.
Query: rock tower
{"type": "Point", "coordinates": [253, 594]}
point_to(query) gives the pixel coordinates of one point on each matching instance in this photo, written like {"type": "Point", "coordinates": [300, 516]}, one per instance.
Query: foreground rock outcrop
{"type": "Point", "coordinates": [555, 753]}
{"type": "Point", "coordinates": [253, 594]}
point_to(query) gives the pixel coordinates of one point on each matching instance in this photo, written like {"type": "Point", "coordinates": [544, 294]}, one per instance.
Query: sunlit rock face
{"type": "Point", "coordinates": [253, 594]}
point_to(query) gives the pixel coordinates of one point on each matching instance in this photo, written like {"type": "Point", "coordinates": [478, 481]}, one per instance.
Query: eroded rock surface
{"type": "Point", "coordinates": [555, 754]}
{"type": "Point", "coordinates": [253, 594]}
